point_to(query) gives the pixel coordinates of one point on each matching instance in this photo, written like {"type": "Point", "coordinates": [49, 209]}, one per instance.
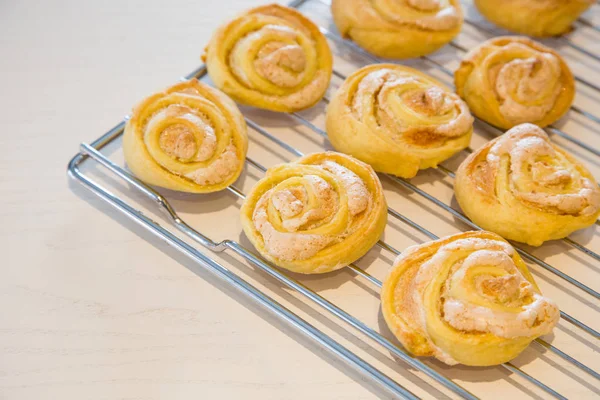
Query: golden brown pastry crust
{"type": "Point", "coordinates": [534, 17]}
{"type": "Point", "coordinates": [524, 188]}
{"type": "Point", "coordinates": [397, 119]}
{"type": "Point", "coordinates": [270, 57]}
{"type": "Point", "coordinates": [398, 29]}
{"type": "Point", "coordinates": [467, 298]}
{"type": "Point", "coordinates": [511, 80]}
{"type": "Point", "coordinates": [189, 137]}
{"type": "Point", "coordinates": [316, 214]}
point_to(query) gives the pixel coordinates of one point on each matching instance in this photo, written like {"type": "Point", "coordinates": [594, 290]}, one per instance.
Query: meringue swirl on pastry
{"type": "Point", "coordinates": [398, 28]}
{"type": "Point", "coordinates": [512, 80]}
{"type": "Point", "coordinates": [190, 138]}
{"type": "Point", "coordinates": [534, 17]}
{"type": "Point", "coordinates": [397, 119]}
{"type": "Point", "coordinates": [270, 57]}
{"type": "Point", "coordinates": [467, 298]}
{"type": "Point", "coordinates": [522, 173]}
{"type": "Point", "coordinates": [317, 214]}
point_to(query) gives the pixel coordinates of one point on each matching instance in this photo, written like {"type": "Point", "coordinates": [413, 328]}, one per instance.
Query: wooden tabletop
{"type": "Point", "coordinates": [94, 307]}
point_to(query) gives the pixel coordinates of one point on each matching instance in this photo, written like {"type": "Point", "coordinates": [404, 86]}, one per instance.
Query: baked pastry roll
{"type": "Point", "coordinates": [465, 299]}
{"type": "Point", "coordinates": [510, 80]}
{"type": "Point", "coordinates": [398, 28]}
{"type": "Point", "coordinates": [316, 214]}
{"type": "Point", "coordinates": [524, 188]}
{"type": "Point", "coordinates": [270, 57]}
{"type": "Point", "coordinates": [397, 119]}
{"type": "Point", "coordinates": [189, 137]}
{"type": "Point", "coordinates": [534, 17]}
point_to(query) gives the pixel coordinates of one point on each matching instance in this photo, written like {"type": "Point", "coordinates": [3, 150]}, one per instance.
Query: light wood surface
{"type": "Point", "coordinates": [93, 307]}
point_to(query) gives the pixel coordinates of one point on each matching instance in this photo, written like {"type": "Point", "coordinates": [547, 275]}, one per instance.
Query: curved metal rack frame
{"type": "Point", "coordinates": [432, 377]}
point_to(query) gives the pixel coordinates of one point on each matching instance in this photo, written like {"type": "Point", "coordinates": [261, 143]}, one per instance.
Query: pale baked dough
{"type": "Point", "coordinates": [510, 80]}
{"type": "Point", "coordinates": [397, 119]}
{"type": "Point", "coordinates": [465, 299]}
{"type": "Point", "coordinates": [270, 57]}
{"type": "Point", "coordinates": [189, 137]}
{"type": "Point", "coordinates": [398, 28]}
{"type": "Point", "coordinates": [534, 17]}
{"type": "Point", "coordinates": [524, 188]}
{"type": "Point", "coordinates": [316, 214]}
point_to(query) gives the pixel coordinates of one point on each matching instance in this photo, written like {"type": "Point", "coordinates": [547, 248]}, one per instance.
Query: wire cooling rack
{"type": "Point", "coordinates": [562, 365]}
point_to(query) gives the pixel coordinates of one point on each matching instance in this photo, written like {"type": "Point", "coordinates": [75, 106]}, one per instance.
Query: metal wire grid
{"type": "Point", "coordinates": [93, 151]}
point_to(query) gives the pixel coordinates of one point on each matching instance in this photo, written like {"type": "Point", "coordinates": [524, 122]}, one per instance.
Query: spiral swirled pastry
{"type": "Point", "coordinates": [397, 119]}
{"type": "Point", "coordinates": [524, 188]}
{"type": "Point", "coordinates": [190, 138]}
{"type": "Point", "coordinates": [270, 57]}
{"type": "Point", "coordinates": [465, 299]}
{"type": "Point", "coordinates": [511, 80]}
{"type": "Point", "coordinates": [534, 17]}
{"type": "Point", "coordinates": [398, 28]}
{"type": "Point", "coordinates": [316, 214]}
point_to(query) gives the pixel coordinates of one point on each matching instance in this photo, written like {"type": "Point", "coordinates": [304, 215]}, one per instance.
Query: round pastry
{"type": "Point", "coordinates": [317, 214]}
{"type": "Point", "coordinates": [190, 138]}
{"type": "Point", "coordinates": [524, 188]}
{"type": "Point", "coordinates": [510, 80]}
{"type": "Point", "coordinates": [397, 119]}
{"type": "Point", "coordinates": [534, 17]}
{"type": "Point", "coordinates": [465, 299]}
{"type": "Point", "coordinates": [398, 28]}
{"type": "Point", "coordinates": [270, 57]}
